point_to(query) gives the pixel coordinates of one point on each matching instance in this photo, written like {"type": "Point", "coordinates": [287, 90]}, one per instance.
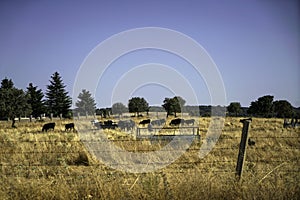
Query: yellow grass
{"type": "Point", "coordinates": [56, 165]}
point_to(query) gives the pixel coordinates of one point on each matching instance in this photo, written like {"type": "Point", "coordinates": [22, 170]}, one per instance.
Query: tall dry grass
{"type": "Point", "coordinates": [56, 165]}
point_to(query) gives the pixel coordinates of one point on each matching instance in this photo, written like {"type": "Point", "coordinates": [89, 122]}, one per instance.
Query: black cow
{"type": "Point", "coordinates": [189, 121]}
{"type": "Point", "coordinates": [70, 127]}
{"type": "Point", "coordinates": [176, 122]}
{"type": "Point", "coordinates": [126, 125]}
{"type": "Point", "coordinates": [145, 121]}
{"type": "Point", "coordinates": [109, 124]}
{"type": "Point", "coordinates": [48, 126]}
{"type": "Point", "coordinates": [251, 142]}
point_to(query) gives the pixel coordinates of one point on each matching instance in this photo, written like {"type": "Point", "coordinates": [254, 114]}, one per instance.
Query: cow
{"type": "Point", "coordinates": [293, 124]}
{"type": "Point", "coordinates": [48, 126]}
{"type": "Point", "coordinates": [145, 121]}
{"type": "Point", "coordinates": [70, 127]}
{"type": "Point", "coordinates": [251, 142]}
{"type": "Point", "coordinates": [189, 121]}
{"type": "Point", "coordinates": [176, 122]}
{"type": "Point", "coordinates": [109, 124]}
{"type": "Point", "coordinates": [126, 125]}
{"type": "Point", "coordinates": [158, 122]}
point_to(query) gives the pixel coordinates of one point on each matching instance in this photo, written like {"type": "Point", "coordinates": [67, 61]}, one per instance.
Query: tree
{"type": "Point", "coordinates": [262, 107]}
{"type": "Point", "coordinates": [86, 103]}
{"type": "Point", "coordinates": [137, 105]}
{"type": "Point", "coordinates": [103, 112]}
{"type": "Point", "coordinates": [35, 99]}
{"type": "Point", "coordinates": [173, 105]}
{"type": "Point", "coordinates": [119, 108]}
{"type": "Point", "coordinates": [58, 101]}
{"type": "Point", "coordinates": [13, 101]}
{"type": "Point", "coordinates": [234, 108]}
{"type": "Point", "coordinates": [283, 109]}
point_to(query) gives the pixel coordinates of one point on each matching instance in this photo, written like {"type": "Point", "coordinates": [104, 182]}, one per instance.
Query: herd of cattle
{"type": "Point", "coordinates": [128, 125]}
{"type": "Point", "coordinates": [125, 125]}
{"type": "Point", "coordinates": [51, 126]}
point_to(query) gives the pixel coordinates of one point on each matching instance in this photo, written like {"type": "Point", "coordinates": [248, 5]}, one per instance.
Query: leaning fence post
{"type": "Point", "coordinates": [242, 148]}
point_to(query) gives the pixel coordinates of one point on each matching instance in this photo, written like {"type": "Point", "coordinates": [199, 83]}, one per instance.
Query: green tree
{"type": "Point", "coordinates": [119, 108]}
{"type": "Point", "coordinates": [262, 107]}
{"type": "Point", "coordinates": [234, 108]}
{"type": "Point", "coordinates": [58, 101]}
{"type": "Point", "coordinates": [13, 101]}
{"type": "Point", "coordinates": [173, 105]}
{"type": "Point", "coordinates": [35, 99]}
{"type": "Point", "coordinates": [138, 105]}
{"type": "Point", "coordinates": [283, 108]}
{"type": "Point", "coordinates": [103, 112]}
{"type": "Point", "coordinates": [86, 103]}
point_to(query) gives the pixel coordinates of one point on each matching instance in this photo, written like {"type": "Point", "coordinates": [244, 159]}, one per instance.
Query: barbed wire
{"type": "Point", "coordinates": [181, 164]}
{"type": "Point", "coordinates": [110, 171]}
{"type": "Point", "coordinates": [192, 163]}
{"type": "Point", "coordinates": [136, 140]}
{"type": "Point", "coordinates": [150, 150]}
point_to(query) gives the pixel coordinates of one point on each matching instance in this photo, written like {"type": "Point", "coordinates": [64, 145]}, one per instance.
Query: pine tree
{"type": "Point", "coordinates": [36, 100]}
{"type": "Point", "coordinates": [58, 101]}
{"type": "Point", "coordinates": [86, 103]}
{"type": "Point", "coordinates": [13, 101]}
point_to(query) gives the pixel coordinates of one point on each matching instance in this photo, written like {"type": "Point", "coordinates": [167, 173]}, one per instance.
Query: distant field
{"type": "Point", "coordinates": [56, 165]}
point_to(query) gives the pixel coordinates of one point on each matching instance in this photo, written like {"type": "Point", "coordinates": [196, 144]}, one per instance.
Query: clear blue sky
{"type": "Point", "coordinates": [255, 44]}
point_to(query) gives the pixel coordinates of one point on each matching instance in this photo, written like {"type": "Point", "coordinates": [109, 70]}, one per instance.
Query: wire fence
{"type": "Point", "coordinates": [8, 149]}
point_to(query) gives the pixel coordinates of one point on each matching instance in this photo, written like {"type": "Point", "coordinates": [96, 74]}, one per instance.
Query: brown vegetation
{"type": "Point", "coordinates": [56, 165]}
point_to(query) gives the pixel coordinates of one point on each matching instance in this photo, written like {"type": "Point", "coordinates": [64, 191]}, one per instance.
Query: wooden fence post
{"type": "Point", "coordinates": [242, 148]}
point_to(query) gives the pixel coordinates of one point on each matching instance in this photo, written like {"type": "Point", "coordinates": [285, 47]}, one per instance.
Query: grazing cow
{"type": "Point", "coordinates": [48, 126]}
{"type": "Point", "coordinates": [176, 122]}
{"type": "Point", "coordinates": [158, 122]}
{"type": "Point", "coordinates": [70, 127]}
{"type": "Point", "coordinates": [251, 142]}
{"type": "Point", "coordinates": [109, 124]}
{"type": "Point", "coordinates": [189, 121]}
{"type": "Point", "coordinates": [126, 125]}
{"type": "Point", "coordinates": [145, 121]}
{"type": "Point", "coordinates": [294, 123]}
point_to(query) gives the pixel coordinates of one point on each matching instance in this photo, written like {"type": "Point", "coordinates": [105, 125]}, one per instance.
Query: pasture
{"type": "Point", "coordinates": [56, 165]}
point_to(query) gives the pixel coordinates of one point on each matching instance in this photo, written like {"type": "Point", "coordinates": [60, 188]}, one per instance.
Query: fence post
{"type": "Point", "coordinates": [242, 148]}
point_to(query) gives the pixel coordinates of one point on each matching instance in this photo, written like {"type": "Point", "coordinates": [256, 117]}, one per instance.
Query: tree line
{"type": "Point", "coordinates": [265, 106]}
{"type": "Point", "coordinates": [56, 102]}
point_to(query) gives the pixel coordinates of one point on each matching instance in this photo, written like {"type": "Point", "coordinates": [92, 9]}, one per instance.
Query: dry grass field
{"type": "Point", "coordinates": [56, 165]}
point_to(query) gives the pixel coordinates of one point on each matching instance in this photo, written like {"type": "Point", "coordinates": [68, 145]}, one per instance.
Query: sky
{"type": "Point", "coordinates": [255, 46]}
